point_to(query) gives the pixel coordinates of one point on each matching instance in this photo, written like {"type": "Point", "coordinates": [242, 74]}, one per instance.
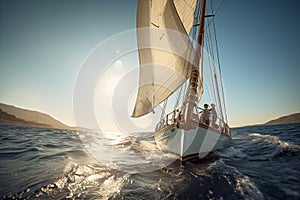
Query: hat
{"type": "Point", "coordinates": [212, 104]}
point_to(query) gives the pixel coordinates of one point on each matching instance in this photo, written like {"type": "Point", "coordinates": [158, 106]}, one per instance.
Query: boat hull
{"type": "Point", "coordinates": [192, 143]}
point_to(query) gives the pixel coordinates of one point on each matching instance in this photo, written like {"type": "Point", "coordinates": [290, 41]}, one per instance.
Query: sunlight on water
{"type": "Point", "coordinates": [91, 179]}
{"type": "Point", "coordinates": [126, 152]}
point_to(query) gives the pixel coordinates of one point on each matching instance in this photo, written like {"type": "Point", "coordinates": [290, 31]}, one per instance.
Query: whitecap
{"type": "Point", "coordinates": [275, 140]}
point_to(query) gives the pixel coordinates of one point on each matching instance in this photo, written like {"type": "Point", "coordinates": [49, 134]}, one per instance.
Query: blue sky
{"type": "Point", "coordinates": [43, 44]}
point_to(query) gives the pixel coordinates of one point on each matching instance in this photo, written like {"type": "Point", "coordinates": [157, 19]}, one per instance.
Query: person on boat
{"type": "Point", "coordinates": [205, 115]}
{"type": "Point", "coordinates": [213, 115]}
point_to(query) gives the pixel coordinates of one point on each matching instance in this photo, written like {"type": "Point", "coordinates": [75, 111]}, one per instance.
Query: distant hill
{"type": "Point", "coordinates": [13, 115]}
{"type": "Point", "coordinates": [11, 119]}
{"type": "Point", "coordinates": [288, 119]}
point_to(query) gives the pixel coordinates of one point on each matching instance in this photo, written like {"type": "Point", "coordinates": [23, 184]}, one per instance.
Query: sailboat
{"type": "Point", "coordinates": [170, 37]}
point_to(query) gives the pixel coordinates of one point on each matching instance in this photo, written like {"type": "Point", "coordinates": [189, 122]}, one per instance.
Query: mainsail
{"type": "Point", "coordinates": [165, 51]}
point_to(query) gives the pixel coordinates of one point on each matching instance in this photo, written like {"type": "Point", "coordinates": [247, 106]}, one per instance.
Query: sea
{"type": "Point", "coordinates": [261, 162]}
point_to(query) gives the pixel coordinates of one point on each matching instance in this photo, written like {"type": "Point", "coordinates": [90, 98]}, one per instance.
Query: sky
{"type": "Point", "coordinates": [43, 45]}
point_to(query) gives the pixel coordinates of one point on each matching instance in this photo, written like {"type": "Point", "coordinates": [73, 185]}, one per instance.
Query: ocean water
{"type": "Point", "coordinates": [263, 162]}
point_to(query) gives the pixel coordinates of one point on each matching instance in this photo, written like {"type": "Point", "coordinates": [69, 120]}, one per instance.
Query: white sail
{"type": "Point", "coordinates": [165, 51]}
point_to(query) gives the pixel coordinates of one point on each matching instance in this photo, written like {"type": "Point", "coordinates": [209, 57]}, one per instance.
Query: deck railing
{"type": "Point", "coordinates": [176, 118]}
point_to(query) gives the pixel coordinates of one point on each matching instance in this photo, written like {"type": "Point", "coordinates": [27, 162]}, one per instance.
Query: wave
{"type": "Point", "coordinates": [239, 182]}
{"type": "Point", "coordinates": [275, 140]}
{"type": "Point", "coordinates": [278, 147]}
{"type": "Point", "coordinates": [83, 181]}
{"type": "Point", "coordinates": [232, 152]}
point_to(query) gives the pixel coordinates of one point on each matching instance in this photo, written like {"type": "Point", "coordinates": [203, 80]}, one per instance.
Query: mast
{"type": "Point", "coordinates": [191, 102]}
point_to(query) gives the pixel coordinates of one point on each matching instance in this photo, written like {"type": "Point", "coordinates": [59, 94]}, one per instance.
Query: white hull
{"type": "Point", "coordinates": [193, 143]}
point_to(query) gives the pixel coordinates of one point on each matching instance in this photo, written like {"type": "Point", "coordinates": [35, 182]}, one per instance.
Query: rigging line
{"type": "Point", "coordinates": [184, 92]}
{"type": "Point", "coordinates": [209, 94]}
{"type": "Point", "coordinates": [218, 8]}
{"type": "Point", "coordinates": [214, 77]}
{"type": "Point", "coordinates": [213, 88]}
{"type": "Point", "coordinates": [219, 66]}
{"type": "Point", "coordinates": [196, 21]}
{"type": "Point", "coordinates": [211, 82]}
{"type": "Point", "coordinates": [164, 110]}
{"type": "Point", "coordinates": [178, 98]}
{"type": "Point", "coordinates": [195, 28]}
{"type": "Point", "coordinates": [210, 45]}
{"type": "Point", "coordinates": [222, 103]}
{"type": "Point", "coordinates": [211, 53]}
{"type": "Point", "coordinates": [215, 36]}
{"type": "Point", "coordinates": [212, 68]}
{"type": "Point", "coordinates": [214, 84]}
